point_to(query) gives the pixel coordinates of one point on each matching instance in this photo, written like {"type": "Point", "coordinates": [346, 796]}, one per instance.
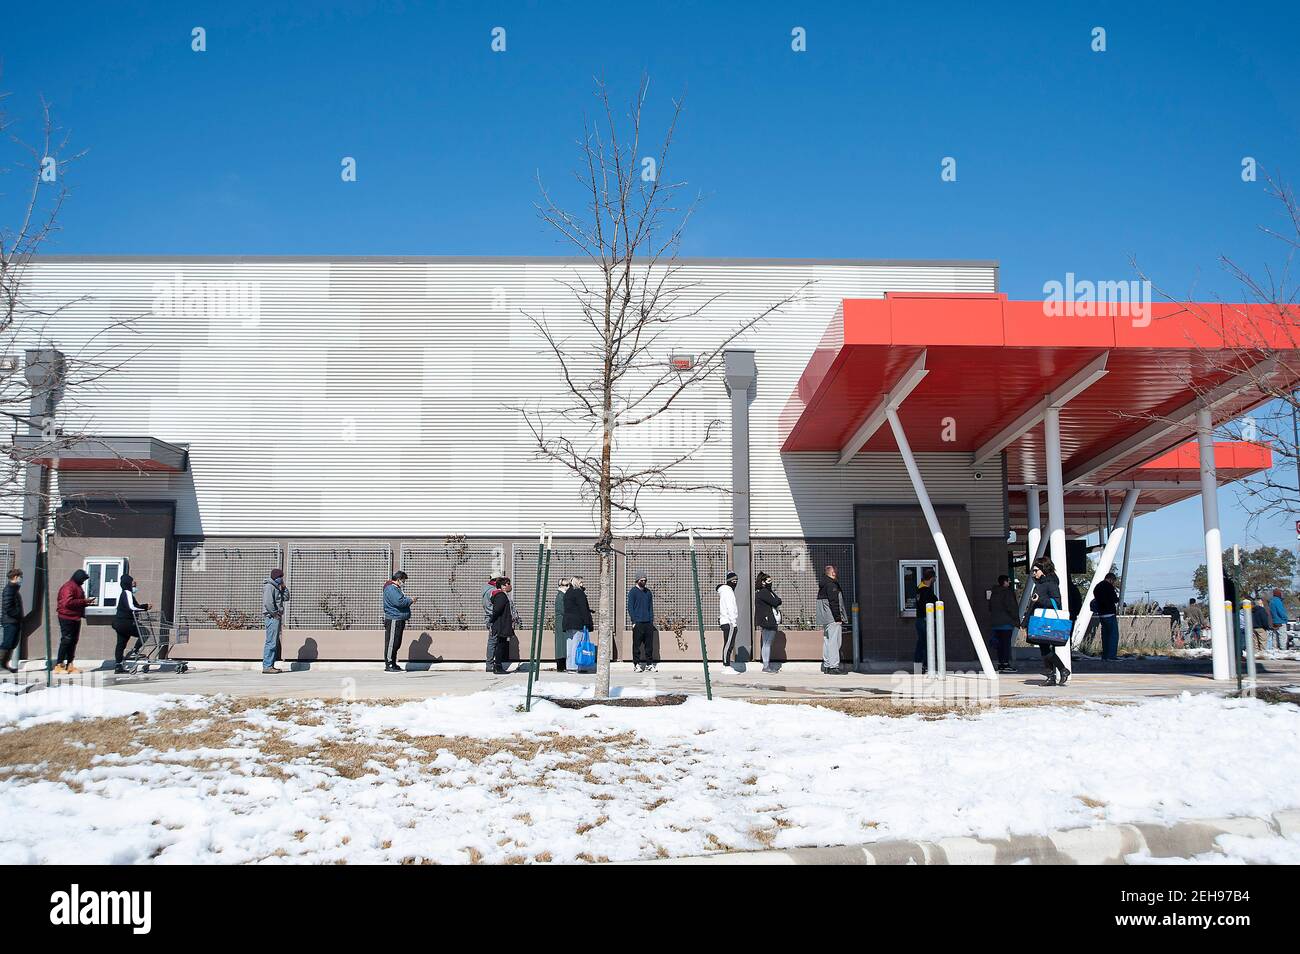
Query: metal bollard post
{"type": "Point", "coordinates": [929, 638]}
{"type": "Point", "coordinates": [857, 647]}
{"type": "Point", "coordinates": [941, 641]}
{"type": "Point", "coordinates": [1249, 688]}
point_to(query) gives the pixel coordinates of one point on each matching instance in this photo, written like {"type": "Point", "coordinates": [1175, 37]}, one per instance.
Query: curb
{"type": "Point", "coordinates": [1107, 844]}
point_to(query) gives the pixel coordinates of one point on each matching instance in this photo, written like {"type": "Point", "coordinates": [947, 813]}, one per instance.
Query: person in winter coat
{"type": "Point", "coordinates": [925, 595]}
{"type": "Point", "coordinates": [728, 616]}
{"type": "Point", "coordinates": [1046, 595]}
{"type": "Point", "coordinates": [501, 627]}
{"type": "Point", "coordinates": [71, 611]}
{"type": "Point", "coordinates": [767, 615]}
{"type": "Point", "coordinates": [577, 617]}
{"type": "Point", "coordinates": [124, 620]}
{"type": "Point", "coordinates": [831, 613]}
{"type": "Point", "coordinates": [489, 588]}
{"type": "Point", "coordinates": [1004, 608]}
{"type": "Point", "coordinates": [561, 650]}
{"type": "Point", "coordinates": [1277, 616]}
{"type": "Point", "coordinates": [274, 595]}
{"type": "Point", "coordinates": [641, 611]}
{"type": "Point", "coordinates": [11, 617]}
{"type": "Point", "coordinates": [397, 611]}
{"type": "Point", "coordinates": [1105, 596]}
{"type": "Point", "coordinates": [1261, 623]}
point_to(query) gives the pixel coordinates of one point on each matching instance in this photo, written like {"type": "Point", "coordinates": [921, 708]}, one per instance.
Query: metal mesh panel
{"type": "Point", "coordinates": [568, 557]}
{"type": "Point", "coordinates": [667, 564]}
{"type": "Point", "coordinates": [337, 586]}
{"type": "Point", "coordinates": [796, 567]}
{"type": "Point", "coordinates": [448, 578]}
{"type": "Point", "coordinates": [221, 585]}
{"type": "Point", "coordinates": [7, 557]}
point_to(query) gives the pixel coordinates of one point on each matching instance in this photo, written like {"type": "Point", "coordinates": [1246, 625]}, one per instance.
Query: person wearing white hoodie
{"type": "Point", "coordinates": [728, 616]}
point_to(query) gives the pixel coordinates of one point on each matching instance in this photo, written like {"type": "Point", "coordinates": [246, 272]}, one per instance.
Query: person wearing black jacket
{"type": "Point", "coordinates": [1105, 598]}
{"type": "Point", "coordinates": [11, 616]}
{"type": "Point", "coordinates": [925, 595]}
{"type": "Point", "coordinates": [501, 627]}
{"type": "Point", "coordinates": [830, 620]}
{"type": "Point", "coordinates": [577, 617]}
{"type": "Point", "coordinates": [1047, 595]}
{"type": "Point", "coordinates": [1004, 607]}
{"type": "Point", "coordinates": [124, 622]}
{"type": "Point", "coordinates": [767, 616]}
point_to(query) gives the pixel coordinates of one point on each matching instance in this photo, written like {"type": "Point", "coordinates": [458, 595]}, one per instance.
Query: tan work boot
{"type": "Point", "coordinates": [59, 669]}
{"type": "Point", "coordinates": [70, 670]}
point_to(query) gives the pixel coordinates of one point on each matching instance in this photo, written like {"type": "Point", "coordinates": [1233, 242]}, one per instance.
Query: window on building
{"type": "Point", "coordinates": [104, 585]}
{"type": "Point", "coordinates": [909, 576]}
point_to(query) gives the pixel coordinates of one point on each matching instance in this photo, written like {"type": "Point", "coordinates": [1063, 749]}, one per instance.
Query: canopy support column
{"type": "Point", "coordinates": [1128, 551]}
{"type": "Point", "coordinates": [1056, 512]}
{"type": "Point", "coordinates": [1213, 546]}
{"type": "Point", "coordinates": [1105, 562]}
{"type": "Point", "coordinates": [940, 543]}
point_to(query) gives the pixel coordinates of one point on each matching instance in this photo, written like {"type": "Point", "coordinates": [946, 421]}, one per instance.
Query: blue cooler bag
{"type": "Point", "coordinates": [585, 654]}
{"type": "Point", "coordinates": [1047, 630]}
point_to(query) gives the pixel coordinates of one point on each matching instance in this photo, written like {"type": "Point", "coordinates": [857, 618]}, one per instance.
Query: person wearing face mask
{"type": "Point", "coordinates": [831, 612]}
{"type": "Point", "coordinates": [768, 616]}
{"type": "Point", "coordinates": [124, 621]}
{"type": "Point", "coordinates": [71, 611]}
{"type": "Point", "coordinates": [641, 611]}
{"type": "Point", "coordinates": [274, 596]}
{"type": "Point", "coordinates": [577, 617]}
{"type": "Point", "coordinates": [728, 616]}
{"type": "Point", "coordinates": [11, 614]}
{"type": "Point", "coordinates": [397, 611]}
{"type": "Point", "coordinates": [1047, 595]}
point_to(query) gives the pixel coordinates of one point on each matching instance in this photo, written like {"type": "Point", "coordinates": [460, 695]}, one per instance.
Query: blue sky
{"type": "Point", "coordinates": [1067, 159]}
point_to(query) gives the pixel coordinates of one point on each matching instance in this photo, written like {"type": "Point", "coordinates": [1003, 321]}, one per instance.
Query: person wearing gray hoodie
{"type": "Point", "coordinates": [274, 595]}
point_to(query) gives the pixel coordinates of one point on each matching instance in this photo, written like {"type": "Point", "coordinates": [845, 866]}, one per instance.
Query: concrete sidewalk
{"type": "Point", "coordinates": [1106, 844]}
{"type": "Point", "coordinates": [793, 681]}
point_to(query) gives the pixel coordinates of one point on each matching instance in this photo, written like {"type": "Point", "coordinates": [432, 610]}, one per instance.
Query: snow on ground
{"type": "Point", "coordinates": [67, 703]}
{"type": "Point", "coordinates": [472, 778]}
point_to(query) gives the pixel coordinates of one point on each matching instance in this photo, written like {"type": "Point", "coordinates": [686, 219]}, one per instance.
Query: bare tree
{"type": "Point", "coordinates": [636, 304]}
{"type": "Point", "coordinates": [37, 173]}
{"type": "Point", "coordinates": [1261, 348]}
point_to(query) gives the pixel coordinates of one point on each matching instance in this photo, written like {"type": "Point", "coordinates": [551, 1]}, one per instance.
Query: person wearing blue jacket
{"type": "Point", "coordinates": [641, 611]}
{"type": "Point", "coordinates": [1277, 613]}
{"type": "Point", "coordinates": [397, 610]}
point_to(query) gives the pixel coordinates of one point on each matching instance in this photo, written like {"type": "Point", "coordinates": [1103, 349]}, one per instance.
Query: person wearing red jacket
{"type": "Point", "coordinates": [71, 611]}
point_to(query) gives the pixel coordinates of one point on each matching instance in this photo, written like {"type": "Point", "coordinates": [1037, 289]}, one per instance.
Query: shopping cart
{"type": "Point", "coordinates": [156, 637]}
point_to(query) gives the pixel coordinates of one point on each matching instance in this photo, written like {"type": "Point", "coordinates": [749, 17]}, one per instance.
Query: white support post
{"type": "Point", "coordinates": [940, 642]}
{"type": "Point", "coordinates": [1035, 543]}
{"type": "Point", "coordinates": [930, 610]}
{"type": "Point", "coordinates": [940, 543]}
{"type": "Point", "coordinates": [1056, 512]}
{"type": "Point", "coordinates": [1128, 550]}
{"type": "Point", "coordinates": [1213, 546]}
{"type": "Point", "coordinates": [1105, 562]}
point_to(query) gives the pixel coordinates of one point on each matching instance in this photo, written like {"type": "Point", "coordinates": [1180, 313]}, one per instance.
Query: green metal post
{"type": "Point", "coordinates": [44, 576]}
{"type": "Point", "coordinates": [537, 598]}
{"type": "Point", "coordinates": [699, 616]}
{"type": "Point", "coordinates": [541, 613]}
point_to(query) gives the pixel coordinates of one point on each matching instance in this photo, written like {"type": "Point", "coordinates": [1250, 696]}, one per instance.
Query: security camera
{"type": "Point", "coordinates": [979, 475]}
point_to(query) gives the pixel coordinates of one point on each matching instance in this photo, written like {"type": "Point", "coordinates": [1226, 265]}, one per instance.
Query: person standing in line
{"type": "Point", "coordinates": [1261, 622]}
{"type": "Point", "coordinates": [71, 611]}
{"type": "Point", "coordinates": [577, 617]}
{"type": "Point", "coordinates": [11, 616]}
{"type": "Point", "coordinates": [767, 615]}
{"type": "Point", "coordinates": [728, 615]}
{"type": "Point", "coordinates": [1196, 621]}
{"type": "Point", "coordinates": [561, 651]}
{"type": "Point", "coordinates": [641, 611]}
{"type": "Point", "coordinates": [1277, 616]}
{"type": "Point", "coordinates": [1175, 624]}
{"type": "Point", "coordinates": [489, 588]}
{"type": "Point", "coordinates": [1004, 608]}
{"type": "Point", "coordinates": [274, 595]}
{"type": "Point", "coordinates": [397, 612]}
{"type": "Point", "coordinates": [124, 621]}
{"type": "Point", "coordinates": [1047, 595]}
{"type": "Point", "coordinates": [501, 626]}
{"type": "Point", "coordinates": [925, 595]}
{"type": "Point", "coordinates": [1105, 597]}
{"type": "Point", "coordinates": [830, 619]}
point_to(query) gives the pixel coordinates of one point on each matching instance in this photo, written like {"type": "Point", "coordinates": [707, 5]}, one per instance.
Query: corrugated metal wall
{"type": "Point", "coordinates": [375, 397]}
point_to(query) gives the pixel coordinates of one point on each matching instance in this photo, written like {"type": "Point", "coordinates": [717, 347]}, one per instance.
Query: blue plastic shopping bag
{"type": "Point", "coordinates": [585, 654]}
{"type": "Point", "coordinates": [1049, 627]}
